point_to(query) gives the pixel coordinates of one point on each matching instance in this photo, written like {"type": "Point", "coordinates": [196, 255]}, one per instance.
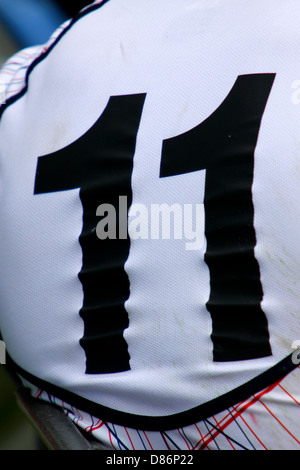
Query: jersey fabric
{"type": "Point", "coordinates": [184, 116]}
{"type": "Point", "coordinates": [267, 420]}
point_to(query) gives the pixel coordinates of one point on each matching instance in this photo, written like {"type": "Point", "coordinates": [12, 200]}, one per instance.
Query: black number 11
{"type": "Point", "coordinates": [100, 163]}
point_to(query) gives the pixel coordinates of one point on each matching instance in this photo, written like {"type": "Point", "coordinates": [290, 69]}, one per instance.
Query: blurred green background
{"type": "Point", "coordinates": [16, 432]}
{"type": "Point", "coordinates": [7, 45]}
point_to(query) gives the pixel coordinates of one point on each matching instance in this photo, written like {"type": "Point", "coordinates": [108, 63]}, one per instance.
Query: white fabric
{"type": "Point", "coordinates": [186, 56]}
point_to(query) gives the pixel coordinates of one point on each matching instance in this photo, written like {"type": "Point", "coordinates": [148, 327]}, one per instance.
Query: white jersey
{"type": "Point", "coordinates": [149, 205]}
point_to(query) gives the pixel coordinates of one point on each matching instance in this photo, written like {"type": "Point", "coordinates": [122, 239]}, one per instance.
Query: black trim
{"type": "Point", "coordinates": [72, 8]}
{"type": "Point", "coordinates": [44, 54]}
{"type": "Point", "coordinates": [164, 423]}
